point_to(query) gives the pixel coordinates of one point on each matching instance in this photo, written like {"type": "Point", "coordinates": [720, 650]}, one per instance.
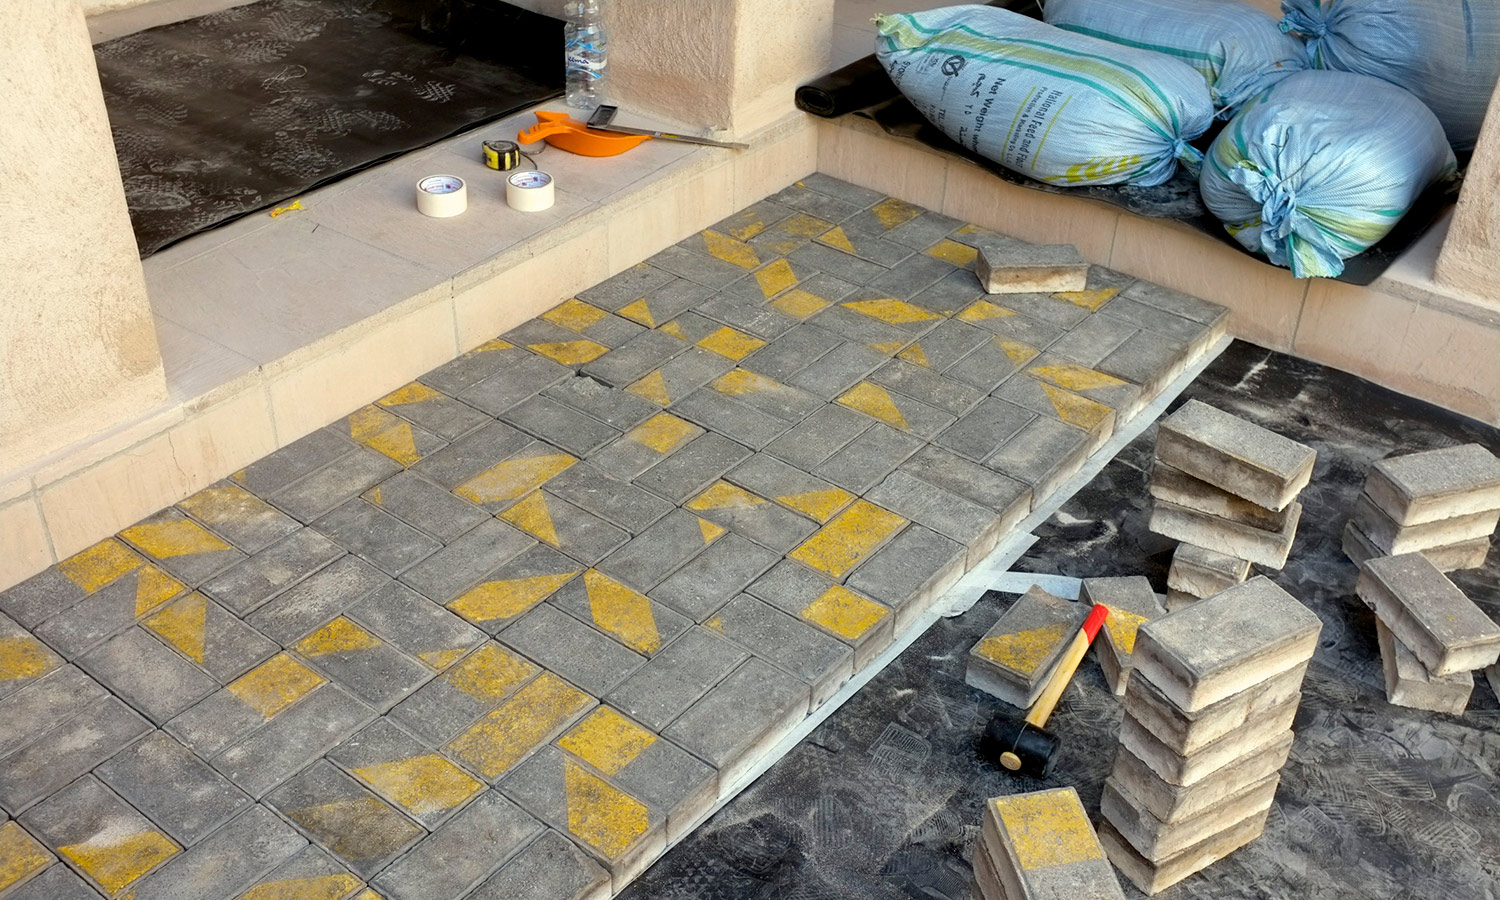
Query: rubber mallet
{"type": "Point", "coordinates": [1021, 745]}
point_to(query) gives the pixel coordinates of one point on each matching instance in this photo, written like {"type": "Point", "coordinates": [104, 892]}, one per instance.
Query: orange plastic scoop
{"type": "Point", "coordinates": [569, 134]}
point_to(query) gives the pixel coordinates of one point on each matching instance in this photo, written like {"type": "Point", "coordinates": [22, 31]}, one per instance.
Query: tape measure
{"type": "Point", "coordinates": [502, 155]}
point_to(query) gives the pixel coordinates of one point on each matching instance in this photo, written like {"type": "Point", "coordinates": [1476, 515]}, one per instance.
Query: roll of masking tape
{"type": "Point", "coordinates": [441, 196]}
{"type": "Point", "coordinates": [529, 191]}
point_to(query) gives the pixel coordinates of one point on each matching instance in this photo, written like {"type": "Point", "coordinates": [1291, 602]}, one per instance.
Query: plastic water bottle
{"type": "Point", "coordinates": [586, 53]}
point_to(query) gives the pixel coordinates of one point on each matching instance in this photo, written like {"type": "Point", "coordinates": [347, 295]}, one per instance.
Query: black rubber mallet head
{"type": "Point", "coordinates": [1022, 745]}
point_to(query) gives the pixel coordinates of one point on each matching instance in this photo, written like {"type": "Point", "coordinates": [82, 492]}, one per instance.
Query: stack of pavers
{"type": "Point", "coordinates": [1015, 657]}
{"type": "Point", "coordinates": [1207, 728]}
{"type": "Point", "coordinates": [1227, 490]}
{"type": "Point", "coordinates": [1443, 504]}
{"type": "Point", "coordinates": [1432, 637]}
{"type": "Point", "coordinates": [1040, 845]}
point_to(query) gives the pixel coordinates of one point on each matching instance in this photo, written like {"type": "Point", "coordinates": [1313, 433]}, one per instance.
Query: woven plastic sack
{"type": "Point", "coordinates": [1237, 48]}
{"type": "Point", "coordinates": [1320, 167]}
{"type": "Point", "coordinates": [1447, 52]}
{"type": "Point", "coordinates": [1060, 107]}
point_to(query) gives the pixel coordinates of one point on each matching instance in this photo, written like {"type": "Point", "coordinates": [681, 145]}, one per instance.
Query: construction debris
{"type": "Point", "coordinates": [1132, 603]}
{"type": "Point", "coordinates": [1442, 503]}
{"type": "Point", "coordinates": [1020, 268]}
{"type": "Point", "coordinates": [1039, 846]}
{"type": "Point", "coordinates": [1015, 657]}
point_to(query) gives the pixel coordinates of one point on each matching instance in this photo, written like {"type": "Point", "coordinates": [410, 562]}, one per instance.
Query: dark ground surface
{"type": "Point", "coordinates": [883, 800]}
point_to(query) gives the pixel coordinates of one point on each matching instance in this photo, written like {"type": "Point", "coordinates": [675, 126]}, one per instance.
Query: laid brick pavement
{"type": "Point", "coordinates": [512, 628]}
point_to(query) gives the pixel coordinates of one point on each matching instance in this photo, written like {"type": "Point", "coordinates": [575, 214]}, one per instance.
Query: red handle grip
{"type": "Point", "coordinates": [1095, 621]}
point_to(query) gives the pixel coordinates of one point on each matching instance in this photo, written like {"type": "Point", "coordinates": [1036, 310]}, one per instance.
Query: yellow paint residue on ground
{"type": "Point", "coordinates": [891, 212]}
{"type": "Point", "coordinates": [1019, 353]}
{"type": "Point", "coordinates": [1076, 409]}
{"type": "Point", "coordinates": [416, 392]}
{"type": "Point", "coordinates": [886, 347]}
{"type": "Point", "coordinates": [652, 387]}
{"type": "Point", "coordinates": [623, 612]}
{"type": "Point", "coordinates": [844, 612]}
{"type": "Point", "coordinates": [575, 315]}
{"type": "Point", "coordinates": [172, 538]}
{"type": "Point", "coordinates": [153, 587]}
{"type": "Point", "coordinates": [224, 503]}
{"type": "Point", "coordinates": [892, 311]}
{"type": "Point", "coordinates": [570, 353]}
{"type": "Point", "coordinates": [1074, 377]}
{"type": "Point", "coordinates": [369, 421]}
{"type": "Point", "coordinates": [916, 356]}
{"type": "Point", "coordinates": [1023, 651]}
{"type": "Point", "coordinates": [820, 505]}
{"type": "Point", "coordinates": [743, 381]}
{"type": "Point", "coordinates": [606, 740]}
{"type": "Point", "coordinates": [874, 400]}
{"type": "Point", "coordinates": [20, 855]}
{"type": "Point", "coordinates": [100, 564]}
{"type": "Point", "coordinates": [775, 277]}
{"type": "Point", "coordinates": [531, 515]}
{"type": "Point", "coordinates": [183, 625]}
{"type": "Point", "coordinates": [731, 343]}
{"type": "Point", "coordinates": [723, 495]}
{"type": "Point", "coordinates": [664, 433]}
{"type": "Point", "coordinates": [1047, 828]}
{"type": "Point", "coordinates": [398, 442]}
{"type": "Point", "coordinates": [838, 546]}
{"type": "Point", "coordinates": [1122, 627]}
{"type": "Point", "coordinates": [954, 252]}
{"type": "Point", "coordinates": [508, 598]}
{"type": "Point", "coordinates": [1089, 300]}
{"type": "Point", "coordinates": [710, 531]}
{"type": "Point", "coordinates": [338, 636]}
{"type": "Point", "coordinates": [422, 784]}
{"type": "Point", "coordinates": [274, 685]}
{"type": "Point", "coordinates": [983, 311]}
{"type": "Point", "coordinates": [835, 237]}
{"type": "Point", "coordinates": [736, 253]}
{"type": "Point", "coordinates": [639, 312]}
{"type": "Point", "coordinates": [745, 225]}
{"type": "Point", "coordinates": [354, 828]}
{"type": "Point", "coordinates": [24, 657]}
{"type": "Point", "coordinates": [440, 659]}
{"type": "Point", "coordinates": [375, 496]}
{"type": "Point", "coordinates": [512, 479]}
{"type": "Point", "coordinates": [490, 673]}
{"type": "Point", "coordinates": [799, 304]}
{"type": "Point", "coordinates": [804, 226]}
{"type": "Point", "coordinates": [116, 857]}
{"type": "Point", "coordinates": [674, 328]}
{"type": "Point", "coordinates": [316, 887]}
{"type": "Point", "coordinates": [601, 815]}
{"type": "Point", "coordinates": [496, 344]}
{"type": "Point", "coordinates": [514, 728]}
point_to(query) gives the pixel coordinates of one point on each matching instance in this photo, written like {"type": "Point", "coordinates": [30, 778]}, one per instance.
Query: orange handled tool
{"type": "Point", "coordinates": [566, 133]}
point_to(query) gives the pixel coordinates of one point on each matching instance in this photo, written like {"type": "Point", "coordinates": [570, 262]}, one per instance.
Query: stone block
{"type": "Point", "coordinates": [862, 462]}
{"type": "Point", "coordinates": [1154, 877]}
{"type": "Point", "coordinates": [1178, 599]}
{"type": "Point", "coordinates": [1409, 684]}
{"type": "Point", "coordinates": [1041, 844]}
{"type": "Point", "coordinates": [248, 522]}
{"type": "Point", "coordinates": [1132, 603]}
{"type": "Point", "coordinates": [1031, 268]}
{"type": "Point", "coordinates": [628, 362]}
{"type": "Point", "coordinates": [1173, 803]}
{"type": "Point", "coordinates": [247, 703]}
{"type": "Point", "coordinates": [618, 409]}
{"type": "Point", "coordinates": [227, 861]}
{"type": "Point", "coordinates": [692, 468]}
{"type": "Point", "coordinates": [1166, 761]}
{"type": "Point", "coordinates": [823, 662]}
{"type": "Point", "coordinates": [911, 573]}
{"type": "Point", "coordinates": [1235, 455]}
{"type": "Point", "coordinates": [433, 410]}
{"type": "Point", "coordinates": [44, 704]}
{"type": "Point", "coordinates": [627, 506]}
{"type": "Point", "coordinates": [522, 723]}
{"type": "Point", "coordinates": [1150, 360]}
{"type": "Point", "coordinates": [939, 349]}
{"type": "Point", "coordinates": [146, 674]}
{"type": "Point", "coordinates": [316, 599]}
{"type": "Point", "coordinates": [991, 363]}
{"type": "Point", "coordinates": [1393, 539]}
{"type": "Point", "coordinates": [791, 487]}
{"type": "Point", "coordinates": [421, 503]}
{"type": "Point", "coordinates": [363, 664]}
{"type": "Point", "coordinates": [1223, 645]}
{"type": "Point", "coordinates": [525, 378]}
{"type": "Point", "coordinates": [794, 351]}
{"type": "Point", "coordinates": [752, 516]}
{"type": "Point", "coordinates": [1187, 733]}
{"type": "Point", "coordinates": [1096, 419]}
{"type": "Point", "coordinates": [476, 684]}
{"type": "Point", "coordinates": [980, 432]}
{"type": "Point", "coordinates": [550, 868]}
{"type": "Point", "coordinates": [111, 844]}
{"type": "Point", "coordinates": [644, 446]}
{"type": "Point", "coordinates": [109, 610]}
{"type": "Point", "coordinates": [462, 852]}
{"type": "Point", "coordinates": [1007, 496]}
{"type": "Point", "coordinates": [506, 482]}
{"type": "Point", "coordinates": [714, 576]}
{"type": "Point", "coordinates": [398, 767]}
{"type": "Point", "coordinates": [1201, 572]}
{"type": "Point", "coordinates": [818, 437]}
{"type": "Point", "coordinates": [1467, 555]}
{"type": "Point", "coordinates": [472, 454]}
{"type": "Point", "coordinates": [554, 521]}
{"type": "Point", "coordinates": [838, 370]}
{"type": "Point", "coordinates": [660, 550]}
{"type": "Point", "coordinates": [483, 361]}
{"type": "Point", "coordinates": [979, 529]}
{"type": "Point", "coordinates": [416, 626]}
{"type": "Point", "coordinates": [896, 410]}
{"type": "Point", "coordinates": [507, 593]}
{"type": "Point", "coordinates": [178, 791]}
{"type": "Point", "coordinates": [1419, 488]}
{"type": "Point", "coordinates": [560, 425]}
{"type": "Point", "coordinates": [1268, 548]}
{"type": "Point", "coordinates": [54, 883]}
{"type": "Point", "coordinates": [1427, 613]}
{"type": "Point", "coordinates": [72, 748]}
{"type": "Point", "coordinates": [291, 740]}
{"type": "Point", "coordinates": [623, 613]}
{"type": "Point", "coordinates": [1155, 840]}
{"type": "Point", "coordinates": [311, 871]}
{"type": "Point", "coordinates": [846, 615]}
{"type": "Point", "coordinates": [364, 832]}
{"type": "Point", "coordinates": [376, 536]}
{"type": "Point", "coordinates": [1012, 328]}
{"type": "Point", "coordinates": [677, 677]}
{"type": "Point", "coordinates": [741, 717]}
{"type": "Point", "coordinates": [848, 539]}
{"type": "Point", "coordinates": [344, 478]}
{"type": "Point", "coordinates": [466, 561]}
{"type": "Point", "coordinates": [1174, 486]}
{"type": "Point", "coordinates": [766, 323]}
{"type": "Point", "coordinates": [182, 547]}
{"type": "Point", "coordinates": [1013, 659]}
{"type": "Point", "coordinates": [572, 649]}
{"type": "Point", "coordinates": [254, 581]}
{"type": "Point", "coordinates": [301, 457]}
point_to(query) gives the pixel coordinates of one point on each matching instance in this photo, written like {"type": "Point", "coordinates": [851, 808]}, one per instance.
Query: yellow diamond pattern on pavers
{"type": "Point", "coordinates": [1076, 409]}
{"type": "Point", "coordinates": [775, 277]}
{"type": "Point", "coordinates": [508, 598]}
{"type": "Point", "coordinates": [844, 612]}
{"type": "Point", "coordinates": [800, 304]}
{"type": "Point", "coordinates": [818, 505]}
{"type": "Point", "coordinates": [421, 785]}
{"type": "Point", "coordinates": [338, 636]}
{"type": "Point", "coordinates": [1047, 828]}
{"type": "Point", "coordinates": [525, 721]}
{"type": "Point", "coordinates": [1074, 377]}
{"type": "Point", "coordinates": [99, 565]}
{"type": "Point", "coordinates": [736, 253]}
{"type": "Point", "coordinates": [183, 625]}
{"type": "Point", "coordinates": [532, 516]}
{"type": "Point", "coordinates": [731, 343]}
{"type": "Point", "coordinates": [409, 395]}
{"type": "Point", "coordinates": [490, 674]}
{"type": "Point", "coordinates": [1022, 651]}
{"type": "Point", "coordinates": [653, 387]}
{"type": "Point", "coordinates": [317, 887]}
{"type": "Point", "coordinates": [513, 478]}
{"type": "Point", "coordinates": [983, 311]}
{"type": "Point", "coordinates": [116, 858]}
{"type": "Point", "coordinates": [839, 546]}
{"type": "Point", "coordinates": [570, 353]}
{"type": "Point", "coordinates": [606, 740]}
{"type": "Point", "coordinates": [600, 814]}
{"type": "Point", "coordinates": [874, 400]}
{"type": "Point", "coordinates": [892, 311]}
{"type": "Point", "coordinates": [891, 212]}
{"type": "Point", "coordinates": [1089, 300]}
{"type": "Point", "coordinates": [664, 433]}
{"type": "Point", "coordinates": [954, 252]}
{"type": "Point", "coordinates": [723, 495]}
{"type": "Point", "coordinates": [640, 312]}
{"type": "Point", "coordinates": [575, 315]}
{"type": "Point", "coordinates": [386, 434]}
{"type": "Point", "coordinates": [1122, 627]}
{"type": "Point", "coordinates": [275, 684]}
{"type": "Point", "coordinates": [172, 538]}
{"type": "Point", "coordinates": [20, 855]}
{"type": "Point", "coordinates": [623, 612]}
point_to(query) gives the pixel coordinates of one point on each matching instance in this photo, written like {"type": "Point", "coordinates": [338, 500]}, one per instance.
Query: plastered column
{"type": "Point", "coordinates": [1470, 257]}
{"type": "Point", "coordinates": [78, 351]}
{"type": "Point", "coordinates": [723, 65]}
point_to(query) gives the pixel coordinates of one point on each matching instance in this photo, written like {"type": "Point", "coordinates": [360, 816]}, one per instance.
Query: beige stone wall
{"type": "Point", "coordinates": [1471, 253]}
{"type": "Point", "coordinates": [78, 352]}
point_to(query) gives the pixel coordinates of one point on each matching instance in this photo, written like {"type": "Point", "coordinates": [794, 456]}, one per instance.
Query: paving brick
{"type": "Point", "coordinates": [818, 437]}
{"type": "Point", "coordinates": [497, 487]}
{"type": "Point", "coordinates": [676, 677]}
{"type": "Point", "coordinates": [67, 751]}
{"type": "Point", "coordinates": [910, 573]}
{"type": "Point", "coordinates": [791, 487]}
{"type": "Point", "coordinates": [1154, 839]}
{"type": "Point", "coordinates": [205, 633]}
{"type": "Point", "coordinates": [550, 868]}
{"type": "Point", "coordinates": [376, 536]}
{"type": "Point", "coordinates": [813, 295]}
{"type": "Point", "coordinates": [560, 425]}
{"type": "Point", "coordinates": [1043, 454]}
{"type": "Point", "coordinates": [625, 505]}
{"type": "Point", "coordinates": [20, 855]}
{"type": "Point", "coordinates": [1258, 732]}
{"type": "Point", "coordinates": [182, 547]}
{"type": "Point", "coordinates": [416, 625]}
{"type": "Point", "coordinates": [1016, 654]}
{"type": "Point", "coordinates": [730, 417]}
{"type": "Point", "coordinates": [466, 560]}
{"type": "Point", "coordinates": [1173, 803]}
{"type": "Point", "coordinates": [579, 534]}
{"type": "Point", "coordinates": [748, 316]}
{"type": "Point", "coordinates": [913, 276]}
{"type": "Point", "coordinates": [515, 587]}
{"type": "Point", "coordinates": [361, 830]}
{"type": "Point", "coordinates": [1177, 487]}
{"type": "Point", "coordinates": [301, 457]}
{"type": "Point", "coordinates": [1149, 360]}
{"type": "Point", "coordinates": [476, 684]}
{"type": "Point", "coordinates": [109, 610]}
{"type": "Point", "coordinates": [1021, 268]}
{"type": "Point", "coordinates": [843, 614]}
{"type": "Point", "coordinates": [55, 883]}
{"type": "Point", "coordinates": [234, 513]}
{"type": "Point", "coordinates": [849, 193]}
{"type": "Point", "coordinates": [1124, 398]}
{"type": "Point", "coordinates": [1393, 539]}
{"type": "Point", "coordinates": [848, 539]}
{"type": "Point", "coordinates": [864, 461]}
{"type": "Point", "coordinates": [712, 577]}
{"type": "Point", "coordinates": [988, 426]}
{"type": "Point", "coordinates": [1220, 646]}
{"type": "Point", "coordinates": [574, 650]}
{"type": "Point", "coordinates": [921, 383]}
{"type": "Point", "coordinates": [1150, 318]}
{"type": "Point", "coordinates": [147, 675]}
{"type": "Point", "coordinates": [398, 767]}
{"type": "Point", "coordinates": [390, 435]}
{"type": "Point", "coordinates": [1187, 733]}
{"type": "Point", "coordinates": [227, 861]}
{"type": "Point", "coordinates": [948, 343]}
{"type": "Point", "coordinates": [752, 220]}
{"type": "Point", "coordinates": [1268, 548]}
{"type": "Point", "coordinates": [25, 660]}
{"type": "Point", "coordinates": [1094, 339]}
{"type": "Point", "coordinates": [1004, 495]}
{"type": "Point", "coordinates": [924, 230]}
{"type": "Point", "coordinates": [247, 703]}
{"type": "Point", "coordinates": [316, 599]}
{"type": "Point", "coordinates": [181, 794]}
{"type": "Point", "coordinates": [718, 260]}
{"type": "Point", "coordinates": [1093, 417]}
{"type": "Point", "coordinates": [44, 704]}
{"type": "Point", "coordinates": [472, 454]}
{"type": "Point", "coordinates": [784, 402]}
{"type": "Point", "coordinates": [740, 717]}
{"type": "Point", "coordinates": [635, 358]}
{"type": "Point", "coordinates": [61, 586]}
{"type": "Point", "coordinates": [881, 337]}
{"type": "Point", "coordinates": [1202, 572]}
{"type": "Point", "coordinates": [433, 410]}
{"type": "Point", "coordinates": [660, 550]}
{"type": "Point", "coordinates": [777, 275]}
{"type": "Point", "coordinates": [1234, 455]}
{"type": "Point", "coordinates": [521, 724]}
{"type": "Point", "coordinates": [344, 478]}
{"type": "Point", "coordinates": [626, 287]}
{"type": "Point", "coordinates": [1155, 876]}
{"type": "Point", "coordinates": [461, 853]}
{"type": "Point", "coordinates": [292, 739]}
{"type": "Point", "coordinates": [557, 343]}
{"type": "Point", "coordinates": [644, 446]}
{"type": "Point", "coordinates": [803, 198]}
{"type": "Point", "coordinates": [1433, 485]}
{"type": "Point", "coordinates": [363, 664]}
{"type": "Point", "coordinates": [680, 376]}
{"type": "Point", "coordinates": [499, 392]}
{"type": "Point", "coordinates": [1427, 613]}
{"type": "Point", "coordinates": [1174, 302]}
{"type": "Point", "coordinates": [618, 409]}
{"type": "Point", "coordinates": [751, 516]}
{"type": "Point", "coordinates": [419, 502]}
{"type": "Point", "coordinates": [976, 527]}
{"type": "Point", "coordinates": [866, 245]}
{"type": "Point", "coordinates": [791, 352]}
{"type": "Point", "coordinates": [109, 843]}
{"type": "Point", "coordinates": [837, 263]}
{"type": "Point", "coordinates": [620, 612]}
{"type": "Point", "coordinates": [896, 410]}
{"type": "Point", "coordinates": [454, 376]}
{"type": "Point", "coordinates": [1467, 555]}
{"type": "Point", "coordinates": [1011, 325]}
{"type": "Point", "coordinates": [1132, 602]}
{"type": "Point", "coordinates": [1409, 684]}
{"type": "Point", "coordinates": [1041, 845]}
{"type": "Point", "coordinates": [311, 873]}
{"type": "Point", "coordinates": [821, 661]}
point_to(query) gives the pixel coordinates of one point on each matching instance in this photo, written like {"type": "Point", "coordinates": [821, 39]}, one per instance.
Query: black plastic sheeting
{"type": "Point", "coordinates": [240, 110]}
{"type": "Point", "coordinates": [864, 89]}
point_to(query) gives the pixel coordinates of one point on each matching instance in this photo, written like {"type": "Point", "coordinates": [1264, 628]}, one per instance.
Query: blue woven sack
{"type": "Point", "coordinates": [1320, 167]}
{"type": "Point", "coordinates": [1064, 108]}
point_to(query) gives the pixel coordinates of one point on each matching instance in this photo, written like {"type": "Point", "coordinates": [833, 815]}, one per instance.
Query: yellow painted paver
{"type": "Point", "coordinates": [183, 625]}
{"type": "Point", "coordinates": [519, 725]}
{"type": "Point", "coordinates": [115, 859]}
{"type": "Point", "coordinates": [731, 343]}
{"type": "Point", "coordinates": [1074, 377]}
{"type": "Point", "coordinates": [421, 785]}
{"type": "Point", "coordinates": [415, 392]}
{"type": "Point", "coordinates": [385, 434]}
{"type": "Point", "coordinates": [1023, 651]}
{"type": "Point", "coordinates": [338, 636]}
{"type": "Point", "coordinates": [799, 303]}
{"type": "Point", "coordinates": [736, 253]}
{"type": "Point", "coordinates": [356, 828]}
{"type": "Point", "coordinates": [575, 315]}
{"type": "Point", "coordinates": [653, 387]}
{"type": "Point", "coordinates": [1047, 828]}
{"type": "Point", "coordinates": [844, 612]}
{"type": "Point", "coordinates": [153, 587]}
{"type": "Point", "coordinates": [173, 538]}
{"type": "Point", "coordinates": [664, 433]}
{"type": "Point", "coordinates": [723, 495]}
{"type": "Point", "coordinates": [874, 400]}
{"type": "Point", "coordinates": [891, 212]}
{"type": "Point", "coordinates": [1123, 626]}
{"type": "Point", "coordinates": [803, 225]}
{"type": "Point", "coordinates": [100, 564]}
{"type": "Point", "coordinates": [639, 312]}
{"type": "Point", "coordinates": [892, 311]}
{"type": "Point", "coordinates": [887, 348]}
{"type": "Point", "coordinates": [835, 237]}
{"type": "Point", "coordinates": [491, 673]}
{"type": "Point", "coordinates": [916, 356]}
{"type": "Point", "coordinates": [225, 503]}
{"type": "Point", "coordinates": [600, 814]}
{"type": "Point", "coordinates": [275, 684]}
{"type": "Point", "coordinates": [507, 598]}
{"type": "Point", "coordinates": [711, 531]}
{"type": "Point", "coordinates": [775, 277]}
{"type": "Point", "coordinates": [1089, 300]}
{"type": "Point", "coordinates": [1076, 409]}
{"type": "Point", "coordinates": [954, 252]}
{"type": "Point", "coordinates": [606, 740]}
{"type": "Point", "coordinates": [623, 612]}
{"type": "Point", "coordinates": [819, 505]}
{"type": "Point", "coordinates": [570, 353]}
{"type": "Point", "coordinates": [513, 478]}
{"type": "Point", "coordinates": [838, 547]}
{"type": "Point", "coordinates": [532, 516]}
{"type": "Point", "coordinates": [21, 856]}
{"type": "Point", "coordinates": [983, 311]}
{"type": "Point", "coordinates": [24, 657]}
{"type": "Point", "coordinates": [317, 887]}
{"type": "Point", "coordinates": [1019, 353]}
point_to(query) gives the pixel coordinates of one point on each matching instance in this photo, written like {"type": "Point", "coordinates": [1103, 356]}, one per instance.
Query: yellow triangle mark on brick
{"type": "Point", "coordinates": [316, 887]}
{"type": "Point", "coordinates": [723, 495]}
{"type": "Point", "coordinates": [525, 721]}
{"type": "Point", "coordinates": [24, 657]}
{"type": "Point", "coordinates": [799, 304]}
{"type": "Point", "coordinates": [652, 387]}
{"type": "Point", "coordinates": [715, 624]}
{"type": "Point", "coordinates": [153, 587]}
{"type": "Point", "coordinates": [1019, 353]}
{"type": "Point", "coordinates": [356, 828]}
{"type": "Point", "coordinates": [275, 684]}
{"type": "Point", "coordinates": [954, 252]}
{"type": "Point", "coordinates": [1023, 651]}
{"type": "Point", "coordinates": [1089, 300]}
{"type": "Point", "coordinates": [844, 612]}
{"type": "Point", "coordinates": [571, 353]}
{"type": "Point", "coordinates": [854, 533]}
{"type": "Point", "coordinates": [874, 400]}
{"type": "Point", "coordinates": [532, 516]}
{"type": "Point", "coordinates": [182, 625]}
{"type": "Point", "coordinates": [606, 740]}
{"type": "Point", "coordinates": [821, 505]}
{"type": "Point", "coordinates": [490, 674]}
{"type": "Point", "coordinates": [368, 421]}
{"type": "Point", "coordinates": [440, 659]}
{"type": "Point", "coordinates": [674, 328]}
{"type": "Point", "coordinates": [711, 532]}
{"type": "Point", "coordinates": [1123, 626]}
{"type": "Point", "coordinates": [916, 355]}
{"type": "Point", "coordinates": [746, 226]}
{"type": "Point", "coordinates": [398, 442]}
{"type": "Point", "coordinates": [804, 226]}
{"type": "Point", "coordinates": [422, 784]}
{"type": "Point", "coordinates": [507, 599]}
{"type": "Point", "coordinates": [639, 312]}
{"type": "Point", "coordinates": [496, 344]}
{"type": "Point", "coordinates": [744, 381]}
{"type": "Point", "coordinates": [892, 311]}
{"type": "Point", "coordinates": [1075, 377]}
{"type": "Point", "coordinates": [1074, 408]}
{"type": "Point", "coordinates": [733, 344]}
{"type": "Point", "coordinates": [338, 636]}
{"type": "Point", "coordinates": [20, 855]}
{"type": "Point", "coordinates": [172, 538]}
{"type": "Point", "coordinates": [238, 477]}
{"type": "Point", "coordinates": [375, 496]}
{"type": "Point", "coordinates": [887, 347]}
{"type": "Point", "coordinates": [836, 238]}
{"type": "Point", "coordinates": [664, 433]}
{"type": "Point", "coordinates": [574, 315]}
{"type": "Point", "coordinates": [513, 478]}
{"type": "Point", "coordinates": [115, 860]}
{"type": "Point", "coordinates": [984, 310]}
{"type": "Point", "coordinates": [416, 392]}
{"type": "Point", "coordinates": [775, 277]}
{"type": "Point", "coordinates": [601, 815]}
{"type": "Point", "coordinates": [100, 564]}
{"type": "Point", "coordinates": [729, 250]}
{"type": "Point", "coordinates": [892, 212]}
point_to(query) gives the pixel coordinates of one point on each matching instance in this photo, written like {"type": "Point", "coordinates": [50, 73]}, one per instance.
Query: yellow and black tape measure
{"type": "Point", "coordinates": [502, 155]}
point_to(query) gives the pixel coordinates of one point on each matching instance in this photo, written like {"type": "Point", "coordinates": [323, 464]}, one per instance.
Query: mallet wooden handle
{"type": "Point", "coordinates": [1042, 709]}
